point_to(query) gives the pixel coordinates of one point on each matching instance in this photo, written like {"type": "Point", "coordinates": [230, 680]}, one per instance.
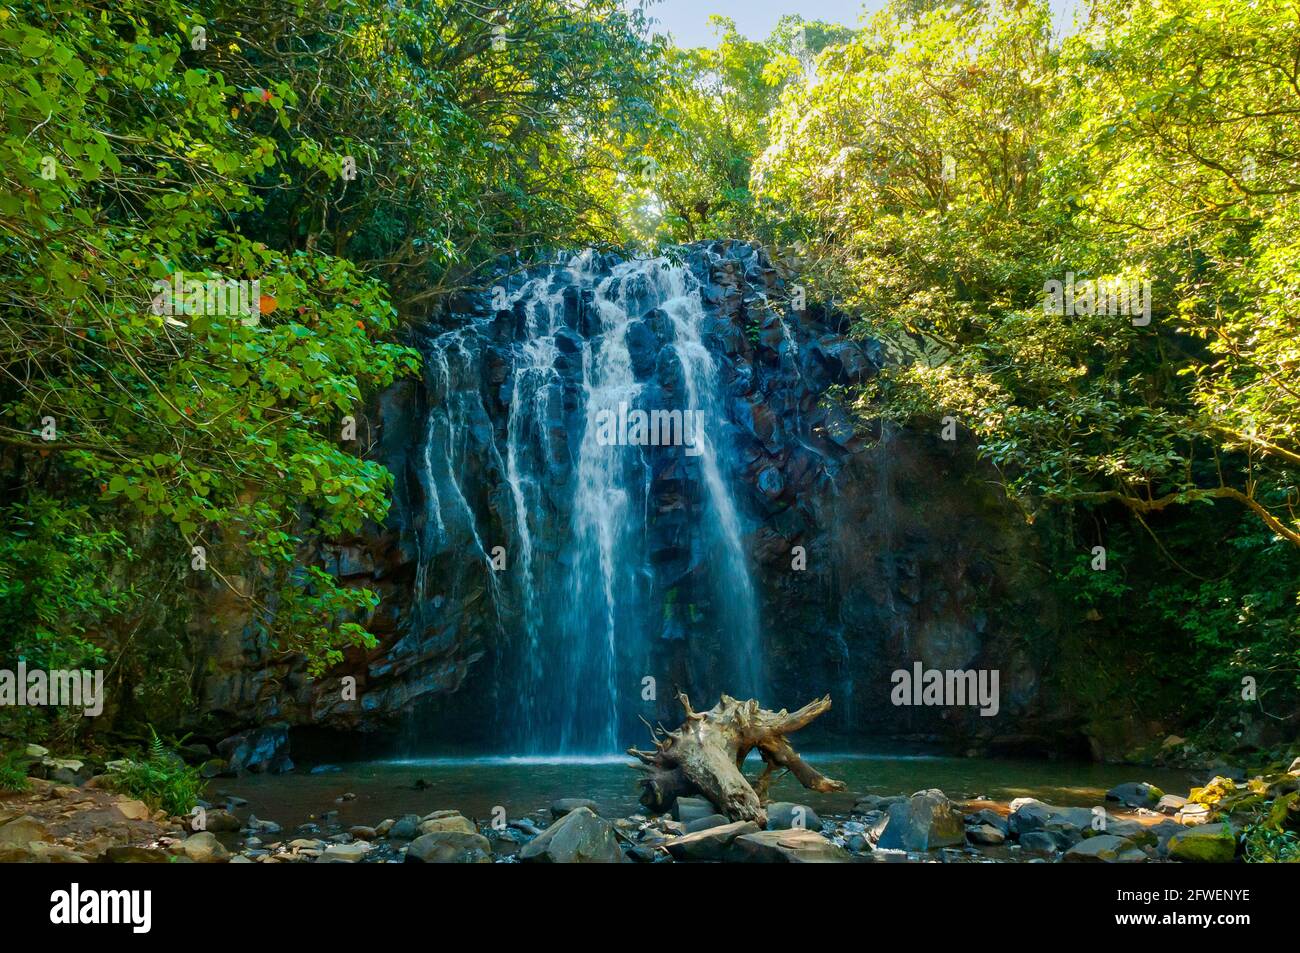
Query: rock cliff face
{"type": "Point", "coordinates": [551, 574]}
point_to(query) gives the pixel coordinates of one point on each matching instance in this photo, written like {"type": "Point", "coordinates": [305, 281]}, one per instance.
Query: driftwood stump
{"type": "Point", "coordinates": [705, 755]}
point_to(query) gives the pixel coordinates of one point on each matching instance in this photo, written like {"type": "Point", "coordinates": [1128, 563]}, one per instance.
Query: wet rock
{"type": "Point", "coordinates": [1064, 824]}
{"type": "Point", "coordinates": [65, 771]}
{"type": "Point", "coordinates": [1039, 842]}
{"type": "Point", "coordinates": [262, 750]}
{"type": "Point", "coordinates": [259, 826]}
{"type": "Point", "coordinates": [22, 831]}
{"type": "Point", "coordinates": [446, 821]}
{"type": "Point", "coordinates": [785, 815]}
{"type": "Point", "coordinates": [986, 835]}
{"type": "Point", "coordinates": [579, 837]}
{"type": "Point", "coordinates": [221, 822]}
{"type": "Point", "coordinates": [872, 802]}
{"type": "Point", "coordinates": [344, 853]}
{"type": "Point", "coordinates": [1204, 844]}
{"type": "Point", "coordinates": [647, 854]}
{"type": "Point", "coordinates": [993, 818]}
{"type": "Point", "coordinates": [1135, 794]}
{"type": "Point", "coordinates": [1193, 814]}
{"type": "Point", "coordinates": [449, 847]}
{"type": "Point", "coordinates": [787, 847]}
{"type": "Point", "coordinates": [566, 804]}
{"type": "Point", "coordinates": [135, 855]}
{"type": "Point", "coordinates": [710, 844]}
{"type": "Point", "coordinates": [1170, 804]}
{"type": "Point", "coordinates": [704, 823]}
{"type": "Point", "coordinates": [39, 853]}
{"type": "Point", "coordinates": [406, 828]}
{"type": "Point", "coordinates": [687, 809]}
{"type": "Point", "coordinates": [204, 848]}
{"type": "Point", "coordinates": [131, 809]}
{"type": "Point", "coordinates": [1104, 848]}
{"type": "Point", "coordinates": [924, 821]}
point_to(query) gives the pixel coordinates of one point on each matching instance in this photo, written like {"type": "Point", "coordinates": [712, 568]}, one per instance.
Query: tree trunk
{"type": "Point", "coordinates": [704, 757]}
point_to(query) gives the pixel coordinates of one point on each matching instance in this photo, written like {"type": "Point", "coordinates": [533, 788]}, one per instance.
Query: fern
{"type": "Point", "coordinates": [161, 779]}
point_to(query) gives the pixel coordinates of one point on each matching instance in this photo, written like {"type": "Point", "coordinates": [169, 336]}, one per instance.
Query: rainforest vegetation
{"type": "Point", "coordinates": [931, 170]}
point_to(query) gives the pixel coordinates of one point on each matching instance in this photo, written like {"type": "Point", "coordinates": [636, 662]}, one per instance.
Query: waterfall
{"type": "Point", "coordinates": [626, 572]}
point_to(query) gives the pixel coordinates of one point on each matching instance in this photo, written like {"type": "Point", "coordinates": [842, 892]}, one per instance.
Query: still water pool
{"type": "Point", "coordinates": [524, 786]}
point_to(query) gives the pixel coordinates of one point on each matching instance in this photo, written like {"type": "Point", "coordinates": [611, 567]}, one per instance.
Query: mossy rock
{"type": "Point", "coordinates": [1207, 844]}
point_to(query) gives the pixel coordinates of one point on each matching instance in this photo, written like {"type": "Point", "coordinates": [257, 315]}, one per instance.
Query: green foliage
{"type": "Point", "coordinates": [691, 175]}
{"type": "Point", "coordinates": [951, 161]}
{"type": "Point", "coordinates": [161, 779]}
{"type": "Point", "coordinates": [13, 773]}
{"type": "Point", "coordinates": [1265, 846]}
{"type": "Point", "coordinates": [138, 156]}
{"type": "Point", "coordinates": [57, 581]}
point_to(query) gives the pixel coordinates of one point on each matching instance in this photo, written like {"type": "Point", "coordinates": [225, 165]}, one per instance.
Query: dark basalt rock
{"type": "Point", "coordinates": [908, 552]}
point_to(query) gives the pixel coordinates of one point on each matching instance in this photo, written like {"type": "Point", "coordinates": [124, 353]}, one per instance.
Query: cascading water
{"type": "Point", "coordinates": [602, 558]}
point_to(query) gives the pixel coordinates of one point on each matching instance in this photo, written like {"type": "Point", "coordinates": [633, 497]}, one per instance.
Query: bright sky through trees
{"type": "Point", "coordinates": [688, 20]}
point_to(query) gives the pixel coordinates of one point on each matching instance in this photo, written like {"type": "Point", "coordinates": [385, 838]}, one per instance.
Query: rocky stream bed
{"type": "Point", "coordinates": [61, 821]}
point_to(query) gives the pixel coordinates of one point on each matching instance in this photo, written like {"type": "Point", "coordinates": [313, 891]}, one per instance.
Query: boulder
{"type": "Point", "coordinates": [1135, 794]}
{"type": "Point", "coordinates": [449, 847]}
{"type": "Point", "coordinates": [784, 816]}
{"type": "Point", "coordinates": [344, 853]}
{"type": "Point", "coordinates": [687, 809]}
{"type": "Point", "coordinates": [924, 821]}
{"type": "Point", "coordinates": [1104, 848]}
{"type": "Point", "coordinates": [406, 828]}
{"type": "Point", "coordinates": [579, 837]}
{"type": "Point", "coordinates": [23, 831]}
{"type": "Point", "coordinates": [447, 821]}
{"type": "Point", "coordinates": [991, 818]}
{"type": "Point", "coordinates": [1065, 825]}
{"type": "Point", "coordinates": [1039, 842]}
{"type": "Point", "coordinates": [705, 823]}
{"type": "Point", "coordinates": [262, 750]}
{"type": "Point", "coordinates": [787, 847]}
{"type": "Point", "coordinates": [65, 771]}
{"type": "Point", "coordinates": [986, 834]}
{"type": "Point", "coordinates": [1192, 814]}
{"type": "Point", "coordinates": [711, 844]}
{"type": "Point", "coordinates": [874, 802]}
{"type": "Point", "coordinates": [135, 855]}
{"type": "Point", "coordinates": [567, 804]}
{"type": "Point", "coordinates": [1204, 844]}
{"type": "Point", "coordinates": [221, 822]}
{"type": "Point", "coordinates": [38, 852]}
{"type": "Point", "coordinates": [204, 848]}
{"type": "Point", "coordinates": [1171, 804]}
